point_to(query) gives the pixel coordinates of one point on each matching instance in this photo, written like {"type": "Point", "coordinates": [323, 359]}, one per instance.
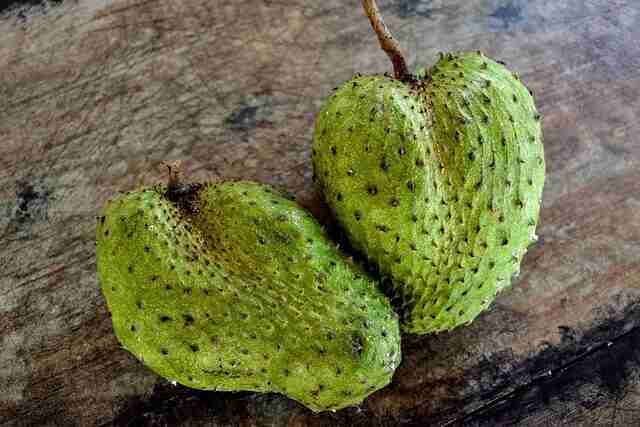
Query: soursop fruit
{"type": "Point", "coordinates": [437, 181]}
{"type": "Point", "coordinates": [232, 286]}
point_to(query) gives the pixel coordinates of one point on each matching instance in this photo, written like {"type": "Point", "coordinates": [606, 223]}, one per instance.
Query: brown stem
{"type": "Point", "coordinates": [183, 195]}
{"type": "Point", "coordinates": [175, 175]}
{"type": "Point", "coordinates": [387, 42]}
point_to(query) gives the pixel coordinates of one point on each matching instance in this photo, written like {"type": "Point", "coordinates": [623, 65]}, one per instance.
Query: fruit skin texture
{"type": "Point", "coordinates": [437, 182]}
{"type": "Point", "coordinates": [233, 287]}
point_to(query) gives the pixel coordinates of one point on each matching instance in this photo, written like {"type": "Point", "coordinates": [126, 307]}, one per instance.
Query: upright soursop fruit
{"type": "Point", "coordinates": [232, 286]}
{"type": "Point", "coordinates": [437, 180]}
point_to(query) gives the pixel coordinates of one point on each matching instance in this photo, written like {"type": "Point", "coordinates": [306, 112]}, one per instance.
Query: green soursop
{"type": "Point", "coordinates": [437, 181]}
{"type": "Point", "coordinates": [232, 286]}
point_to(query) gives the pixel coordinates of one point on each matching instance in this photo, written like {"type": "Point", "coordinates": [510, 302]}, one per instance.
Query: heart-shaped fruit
{"type": "Point", "coordinates": [437, 180]}
{"type": "Point", "coordinates": [232, 286]}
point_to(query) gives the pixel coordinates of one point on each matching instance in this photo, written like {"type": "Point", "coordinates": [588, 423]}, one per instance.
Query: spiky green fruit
{"type": "Point", "coordinates": [437, 181]}
{"type": "Point", "coordinates": [232, 287]}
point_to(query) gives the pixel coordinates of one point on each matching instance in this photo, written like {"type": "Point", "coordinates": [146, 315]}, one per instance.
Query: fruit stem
{"type": "Point", "coordinates": [175, 175]}
{"type": "Point", "coordinates": [387, 42]}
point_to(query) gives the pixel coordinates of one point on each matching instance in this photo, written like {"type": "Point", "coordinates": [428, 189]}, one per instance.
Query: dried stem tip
{"type": "Point", "coordinates": [175, 175]}
{"type": "Point", "coordinates": [387, 42]}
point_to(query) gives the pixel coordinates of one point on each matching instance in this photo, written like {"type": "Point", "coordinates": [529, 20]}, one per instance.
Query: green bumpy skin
{"type": "Point", "coordinates": [437, 182]}
{"type": "Point", "coordinates": [235, 287]}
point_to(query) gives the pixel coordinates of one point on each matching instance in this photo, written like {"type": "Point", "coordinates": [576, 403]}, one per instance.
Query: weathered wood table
{"type": "Point", "coordinates": [93, 97]}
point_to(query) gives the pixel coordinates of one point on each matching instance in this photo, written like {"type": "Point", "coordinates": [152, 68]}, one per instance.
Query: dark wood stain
{"type": "Point", "coordinates": [18, 4]}
{"type": "Point", "coordinates": [594, 371]}
{"type": "Point", "coordinates": [243, 118]}
{"type": "Point", "coordinates": [31, 204]}
{"type": "Point", "coordinates": [508, 14]}
{"type": "Point", "coordinates": [412, 8]}
{"type": "Point", "coordinates": [233, 90]}
{"type": "Point", "coordinates": [27, 212]}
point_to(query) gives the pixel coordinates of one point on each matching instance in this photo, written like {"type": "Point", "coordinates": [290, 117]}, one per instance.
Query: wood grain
{"type": "Point", "coordinates": [94, 97]}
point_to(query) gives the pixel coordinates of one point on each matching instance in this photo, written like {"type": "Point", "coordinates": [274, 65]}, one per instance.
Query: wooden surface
{"type": "Point", "coordinates": [93, 97]}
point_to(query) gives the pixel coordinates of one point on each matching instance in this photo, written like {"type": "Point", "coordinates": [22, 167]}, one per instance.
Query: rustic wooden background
{"type": "Point", "coordinates": [94, 94]}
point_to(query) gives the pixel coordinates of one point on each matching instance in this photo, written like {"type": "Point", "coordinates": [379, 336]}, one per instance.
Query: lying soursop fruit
{"type": "Point", "coordinates": [436, 180]}
{"type": "Point", "coordinates": [231, 286]}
